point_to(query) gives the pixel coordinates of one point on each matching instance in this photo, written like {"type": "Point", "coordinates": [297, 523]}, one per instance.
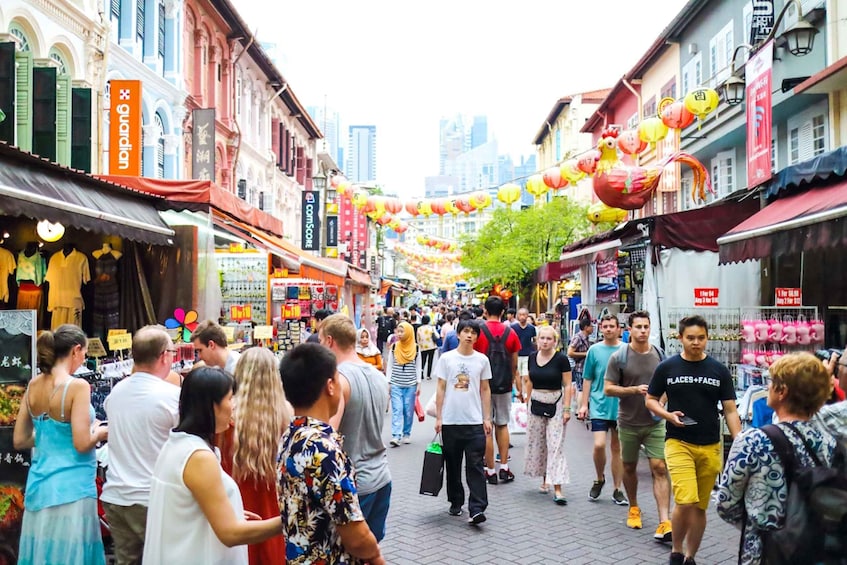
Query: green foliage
{"type": "Point", "coordinates": [514, 243]}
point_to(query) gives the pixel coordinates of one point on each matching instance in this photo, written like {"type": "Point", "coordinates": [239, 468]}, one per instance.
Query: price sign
{"type": "Point", "coordinates": [240, 313]}
{"type": "Point", "coordinates": [263, 332]}
{"type": "Point", "coordinates": [120, 342]}
{"type": "Point", "coordinates": [115, 332]}
{"type": "Point", "coordinates": [236, 248]}
{"type": "Point", "coordinates": [229, 331]}
{"type": "Point", "coordinates": [706, 297]}
{"type": "Point", "coordinates": [95, 347]}
{"type": "Point", "coordinates": [789, 297]}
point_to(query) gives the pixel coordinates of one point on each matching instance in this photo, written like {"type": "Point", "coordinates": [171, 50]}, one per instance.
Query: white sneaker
{"type": "Point", "coordinates": [407, 439]}
{"type": "Point", "coordinates": [395, 442]}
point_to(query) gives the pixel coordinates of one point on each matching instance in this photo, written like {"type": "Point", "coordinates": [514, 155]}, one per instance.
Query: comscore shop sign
{"type": "Point", "coordinates": [125, 128]}
{"type": "Point", "coordinates": [311, 225]}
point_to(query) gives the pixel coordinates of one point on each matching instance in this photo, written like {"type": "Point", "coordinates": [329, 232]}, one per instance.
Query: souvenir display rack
{"type": "Point", "coordinates": [724, 332]}
{"type": "Point", "coordinates": [288, 334]}
{"type": "Point", "coordinates": [244, 282]}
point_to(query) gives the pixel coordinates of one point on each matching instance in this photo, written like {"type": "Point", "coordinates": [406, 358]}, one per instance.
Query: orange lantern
{"type": "Point", "coordinates": [384, 219]}
{"type": "Point", "coordinates": [335, 180]}
{"type": "Point", "coordinates": [553, 178]}
{"type": "Point", "coordinates": [401, 228]}
{"type": "Point", "coordinates": [464, 205]}
{"type": "Point", "coordinates": [630, 142]}
{"type": "Point", "coordinates": [393, 205]}
{"type": "Point", "coordinates": [437, 206]}
{"type": "Point", "coordinates": [675, 115]}
{"type": "Point", "coordinates": [412, 208]}
{"type": "Point", "coordinates": [588, 162]}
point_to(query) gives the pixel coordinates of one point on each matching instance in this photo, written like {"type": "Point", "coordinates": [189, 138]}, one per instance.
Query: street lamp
{"type": "Point", "coordinates": [800, 39]}
{"type": "Point", "coordinates": [319, 180]}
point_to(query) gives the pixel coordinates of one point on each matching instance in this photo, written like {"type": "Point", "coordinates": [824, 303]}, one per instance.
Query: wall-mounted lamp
{"type": "Point", "coordinates": [49, 231]}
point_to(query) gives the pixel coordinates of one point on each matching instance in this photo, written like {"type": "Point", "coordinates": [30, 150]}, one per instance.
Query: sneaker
{"type": "Point", "coordinates": [663, 532]}
{"type": "Point", "coordinates": [491, 478]}
{"type": "Point", "coordinates": [506, 476]}
{"type": "Point", "coordinates": [689, 561]}
{"type": "Point", "coordinates": [676, 559]}
{"type": "Point", "coordinates": [407, 439]}
{"type": "Point", "coordinates": [395, 442]}
{"type": "Point", "coordinates": [477, 518]}
{"type": "Point", "coordinates": [596, 488]}
{"type": "Point", "coordinates": [619, 498]}
{"type": "Point", "coordinates": [633, 519]}
{"type": "Point", "coordinates": [497, 458]}
{"type": "Point", "coordinates": [455, 511]}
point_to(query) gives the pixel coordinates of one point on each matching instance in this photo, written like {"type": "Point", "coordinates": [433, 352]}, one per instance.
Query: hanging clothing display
{"type": "Point", "coordinates": [7, 267]}
{"type": "Point", "coordinates": [106, 294]}
{"type": "Point", "coordinates": [66, 275]}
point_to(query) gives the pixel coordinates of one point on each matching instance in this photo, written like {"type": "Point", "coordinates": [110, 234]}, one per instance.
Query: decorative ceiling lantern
{"type": "Point", "coordinates": [652, 130]}
{"type": "Point", "coordinates": [554, 179]}
{"type": "Point", "coordinates": [49, 231]}
{"type": "Point", "coordinates": [480, 200]}
{"type": "Point", "coordinates": [571, 172]}
{"type": "Point", "coordinates": [630, 142]}
{"type": "Point", "coordinates": [701, 102]}
{"type": "Point", "coordinates": [412, 208]}
{"type": "Point", "coordinates": [588, 162]}
{"type": "Point", "coordinates": [674, 114]}
{"type": "Point", "coordinates": [509, 193]}
{"type": "Point", "coordinates": [536, 186]}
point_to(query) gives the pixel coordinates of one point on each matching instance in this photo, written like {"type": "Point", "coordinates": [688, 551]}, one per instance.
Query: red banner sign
{"type": "Point", "coordinates": [759, 116]}
{"type": "Point", "coordinates": [706, 297]}
{"type": "Point", "coordinates": [789, 297]}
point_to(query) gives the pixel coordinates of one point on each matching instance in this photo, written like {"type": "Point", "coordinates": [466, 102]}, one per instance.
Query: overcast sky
{"type": "Point", "coordinates": [403, 65]}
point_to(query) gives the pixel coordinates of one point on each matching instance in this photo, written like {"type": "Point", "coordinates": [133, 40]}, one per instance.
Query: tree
{"type": "Point", "coordinates": [514, 243]}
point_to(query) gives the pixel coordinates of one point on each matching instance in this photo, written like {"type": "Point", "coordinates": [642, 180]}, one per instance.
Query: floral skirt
{"type": "Point", "coordinates": [68, 534]}
{"type": "Point", "coordinates": [545, 442]}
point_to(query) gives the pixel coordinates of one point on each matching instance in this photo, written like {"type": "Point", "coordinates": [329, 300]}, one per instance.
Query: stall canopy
{"type": "Point", "coordinates": [831, 165]}
{"type": "Point", "coordinates": [809, 220]}
{"type": "Point", "coordinates": [595, 248]}
{"type": "Point", "coordinates": [199, 196]}
{"type": "Point", "coordinates": [42, 190]}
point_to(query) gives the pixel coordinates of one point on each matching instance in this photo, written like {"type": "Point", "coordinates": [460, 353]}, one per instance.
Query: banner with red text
{"type": "Point", "coordinates": [759, 115]}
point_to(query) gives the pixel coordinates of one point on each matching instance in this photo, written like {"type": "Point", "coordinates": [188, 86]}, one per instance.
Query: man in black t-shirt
{"type": "Point", "coordinates": [694, 384]}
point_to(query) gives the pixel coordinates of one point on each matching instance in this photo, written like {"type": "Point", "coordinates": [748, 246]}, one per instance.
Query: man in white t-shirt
{"type": "Point", "coordinates": [463, 418]}
{"type": "Point", "coordinates": [141, 410]}
{"type": "Point", "coordinates": [209, 341]}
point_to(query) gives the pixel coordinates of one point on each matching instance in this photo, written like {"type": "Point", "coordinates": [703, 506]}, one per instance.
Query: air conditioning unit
{"type": "Point", "coordinates": [242, 189]}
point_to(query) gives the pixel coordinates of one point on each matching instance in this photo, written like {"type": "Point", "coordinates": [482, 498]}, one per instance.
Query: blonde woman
{"type": "Point", "coordinates": [548, 382]}
{"type": "Point", "coordinates": [249, 447]}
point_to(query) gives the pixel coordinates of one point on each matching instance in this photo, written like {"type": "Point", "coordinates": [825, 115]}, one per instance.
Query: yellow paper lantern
{"type": "Point", "coordinates": [480, 200]}
{"type": "Point", "coordinates": [450, 206]}
{"type": "Point", "coordinates": [536, 186]}
{"type": "Point", "coordinates": [359, 199]}
{"type": "Point", "coordinates": [343, 188]}
{"type": "Point", "coordinates": [422, 239]}
{"type": "Point", "coordinates": [571, 172]}
{"type": "Point", "coordinates": [701, 102]}
{"type": "Point", "coordinates": [509, 193]}
{"type": "Point", "coordinates": [425, 208]}
{"type": "Point", "coordinates": [652, 130]}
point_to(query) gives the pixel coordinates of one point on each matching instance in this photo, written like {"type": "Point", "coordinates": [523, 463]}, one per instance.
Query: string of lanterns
{"type": "Point", "coordinates": [428, 258]}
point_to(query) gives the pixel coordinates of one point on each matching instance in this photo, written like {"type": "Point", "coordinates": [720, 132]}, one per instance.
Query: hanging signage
{"type": "Point", "coordinates": [125, 144]}
{"type": "Point", "coordinates": [310, 233]}
{"type": "Point", "coordinates": [762, 21]}
{"type": "Point", "coordinates": [706, 297]}
{"type": "Point", "coordinates": [332, 231]}
{"type": "Point", "coordinates": [788, 297]}
{"type": "Point", "coordinates": [759, 116]}
{"type": "Point", "coordinates": [203, 144]}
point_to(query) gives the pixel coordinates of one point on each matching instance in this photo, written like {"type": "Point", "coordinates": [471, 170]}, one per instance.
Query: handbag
{"type": "Point", "coordinates": [432, 475]}
{"type": "Point", "coordinates": [543, 409]}
{"type": "Point", "coordinates": [419, 411]}
{"type": "Point", "coordinates": [517, 418]}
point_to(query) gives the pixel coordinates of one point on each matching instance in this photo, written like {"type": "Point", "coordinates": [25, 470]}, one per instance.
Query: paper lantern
{"type": "Point", "coordinates": [536, 186]}
{"type": "Point", "coordinates": [480, 200]}
{"type": "Point", "coordinates": [600, 212]}
{"type": "Point", "coordinates": [422, 239]}
{"type": "Point", "coordinates": [401, 228]}
{"type": "Point", "coordinates": [384, 219]}
{"type": "Point", "coordinates": [464, 205]}
{"type": "Point", "coordinates": [412, 208]}
{"type": "Point", "coordinates": [438, 206]}
{"type": "Point", "coordinates": [451, 207]}
{"type": "Point", "coordinates": [630, 142]}
{"type": "Point", "coordinates": [701, 102]}
{"type": "Point", "coordinates": [652, 130]}
{"type": "Point", "coordinates": [393, 205]}
{"type": "Point", "coordinates": [359, 199]}
{"type": "Point", "coordinates": [509, 193]}
{"type": "Point", "coordinates": [571, 172]}
{"type": "Point", "coordinates": [553, 178]}
{"type": "Point", "coordinates": [424, 208]}
{"type": "Point", "coordinates": [343, 187]}
{"type": "Point", "coordinates": [588, 162]}
{"type": "Point", "coordinates": [675, 115]}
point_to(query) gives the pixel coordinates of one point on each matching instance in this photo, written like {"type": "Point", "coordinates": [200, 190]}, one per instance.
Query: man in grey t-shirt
{"type": "Point", "coordinates": [627, 376]}
{"type": "Point", "coordinates": [360, 419]}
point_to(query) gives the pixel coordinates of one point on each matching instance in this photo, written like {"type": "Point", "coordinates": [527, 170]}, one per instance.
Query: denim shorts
{"type": "Point", "coordinates": [603, 425]}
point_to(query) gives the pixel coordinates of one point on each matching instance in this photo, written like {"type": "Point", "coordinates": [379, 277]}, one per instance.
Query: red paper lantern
{"type": "Point", "coordinates": [393, 205]}
{"type": "Point", "coordinates": [444, 246]}
{"type": "Point", "coordinates": [335, 180]}
{"type": "Point", "coordinates": [384, 219]}
{"type": "Point", "coordinates": [630, 143]}
{"type": "Point", "coordinates": [401, 228]}
{"type": "Point", "coordinates": [438, 206]}
{"type": "Point", "coordinates": [431, 242]}
{"type": "Point", "coordinates": [464, 204]}
{"type": "Point", "coordinates": [412, 208]}
{"type": "Point", "coordinates": [588, 162]}
{"type": "Point", "coordinates": [677, 116]}
{"type": "Point", "coordinates": [553, 178]}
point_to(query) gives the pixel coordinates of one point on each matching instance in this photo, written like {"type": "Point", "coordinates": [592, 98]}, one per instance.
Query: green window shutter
{"type": "Point", "coordinates": [7, 92]}
{"type": "Point", "coordinates": [81, 129]}
{"type": "Point", "coordinates": [23, 99]}
{"type": "Point", "coordinates": [63, 120]}
{"type": "Point", "coordinates": [44, 112]}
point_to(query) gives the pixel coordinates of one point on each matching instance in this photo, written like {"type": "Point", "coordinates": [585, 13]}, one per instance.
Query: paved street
{"type": "Point", "coordinates": [525, 526]}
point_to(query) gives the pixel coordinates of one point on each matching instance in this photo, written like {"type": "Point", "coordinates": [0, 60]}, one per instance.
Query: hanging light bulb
{"type": "Point", "coordinates": [49, 231]}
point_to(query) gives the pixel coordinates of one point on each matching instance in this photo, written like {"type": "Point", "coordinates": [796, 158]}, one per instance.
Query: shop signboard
{"type": "Point", "coordinates": [788, 297]}
{"type": "Point", "coordinates": [125, 145]}
{"type": "Point", "coordinates": [332, 231]}
{"type": "Point", "coordinates": [310, 233]}
{"type": "Point", "coordinates": [203, 144]}
{"type": "Point", "coordinates": [762, 20]}
{"type": "Point", "coordinates": [759, 116]}
{"type": "Point", "coordinates": [707, 297]}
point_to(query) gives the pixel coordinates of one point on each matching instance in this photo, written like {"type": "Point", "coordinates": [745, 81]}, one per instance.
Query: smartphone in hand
{"type": "Point", "coordinates": [688, 421]}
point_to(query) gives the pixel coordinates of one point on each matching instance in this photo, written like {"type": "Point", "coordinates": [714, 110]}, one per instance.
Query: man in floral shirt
{"type": "Point", "coordinates": [322, 521]}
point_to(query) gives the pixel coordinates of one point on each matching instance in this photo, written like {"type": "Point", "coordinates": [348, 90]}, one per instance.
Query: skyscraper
{"type": "Point", "coordinates": [479, 131]}
{"type": "Point", "coordinates": [329, 123]}
{"type": "Point", "coordinates": [451, 142]}
{"type": "Point", "coordinates": [361, 154]}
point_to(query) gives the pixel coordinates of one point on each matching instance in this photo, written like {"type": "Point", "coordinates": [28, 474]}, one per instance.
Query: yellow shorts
{"type": "Point", "coordinates": [693, 470]}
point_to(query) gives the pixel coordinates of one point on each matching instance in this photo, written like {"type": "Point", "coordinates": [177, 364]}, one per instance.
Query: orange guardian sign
{"type": "Point", "coordinates": [125, 128]}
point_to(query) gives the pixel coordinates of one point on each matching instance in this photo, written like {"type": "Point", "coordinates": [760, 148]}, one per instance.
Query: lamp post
{"type": "Point", "coordinates": [800, 38]}
{"type": "Point", "coordinates": [319, 184]}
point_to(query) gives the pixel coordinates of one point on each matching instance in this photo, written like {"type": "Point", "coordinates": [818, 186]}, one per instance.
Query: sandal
{"type": "Point", "coordinates": [560, 500]}
{"type": "Point", "coordinates": [544, 489]}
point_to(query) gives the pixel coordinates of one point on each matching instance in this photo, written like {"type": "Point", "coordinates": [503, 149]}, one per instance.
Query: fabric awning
{"type": "Point", "coordinates": [810, 220]}
{"type": "Point", "coordinates": [826, 166]}
{"type": "Point", "coordinates": [699, 229]}
{"type": "Point", "coordinates": [198, 196]}
{"type": "Point", "coordinates": [358, 276]}
{"type": "Point", "coordinates": [42, 190]}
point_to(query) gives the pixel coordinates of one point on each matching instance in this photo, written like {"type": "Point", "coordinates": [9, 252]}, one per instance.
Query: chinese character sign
{"type": "Point", "coordinates": [706, 297]}
{"type": "Point", "coordinates": [125, 144]}
{"type": "Point", "coordinates": [203, 145]}
{"type": "Point", "coordinates": [759, 116]}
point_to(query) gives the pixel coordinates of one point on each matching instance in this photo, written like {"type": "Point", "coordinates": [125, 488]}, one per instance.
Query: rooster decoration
{"type": "Point", "coordinates": [630, 187]}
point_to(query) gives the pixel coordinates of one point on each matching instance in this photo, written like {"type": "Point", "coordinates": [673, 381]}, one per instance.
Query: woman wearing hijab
{"type": "Point", "coordinates": [403, 373]}
{"type": "Point", "coordinates": [367, 350]}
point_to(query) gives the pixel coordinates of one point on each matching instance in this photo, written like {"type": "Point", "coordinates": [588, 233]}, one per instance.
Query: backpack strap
{"type": "Point", "coordinates": [809, 450]}
{"type": "Point", "coordinates": [783, 447]}
{"type": "Point", "coordinates": [487, 332]}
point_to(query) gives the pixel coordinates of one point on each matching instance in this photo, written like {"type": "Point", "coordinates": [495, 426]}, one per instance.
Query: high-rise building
{"type": "Point", "coordinates": [479, 131]}
{"type": "Point", "coordinates": [452, 142]}
{"type": "Point", "coordinates": [361, 154]}
{"type": "Point", "coordinates": [476, 169]}
{"type": "Point", "coordinates": [522, 172]}
{"type": "Point", "coordinates": [329, 123]}
{"type": "Point", "coordinates": [440, 186]}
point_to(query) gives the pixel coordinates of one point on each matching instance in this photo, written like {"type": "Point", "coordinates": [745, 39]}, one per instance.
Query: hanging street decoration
{"type": "Point", "coordinates": [600, 212]}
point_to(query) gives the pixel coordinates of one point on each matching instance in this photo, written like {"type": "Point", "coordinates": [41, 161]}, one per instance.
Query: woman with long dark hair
{"type": "Point", "coordinates": [196, 514]}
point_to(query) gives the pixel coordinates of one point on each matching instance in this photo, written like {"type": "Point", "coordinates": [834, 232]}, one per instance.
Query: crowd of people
{"type": "Point", "coordinates": [251, 460]}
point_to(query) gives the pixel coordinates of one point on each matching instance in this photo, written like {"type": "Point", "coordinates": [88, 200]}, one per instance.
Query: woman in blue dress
{"type": "Point", "coordinates": [56, 421]}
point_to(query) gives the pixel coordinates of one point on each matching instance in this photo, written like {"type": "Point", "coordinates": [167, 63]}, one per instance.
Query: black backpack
{"type": "Point", "coordinates": [501, 361]}
{"type": "Point", "coordinates": [623, 355]}
{"type": "Point", "coordinates": [815, 529]}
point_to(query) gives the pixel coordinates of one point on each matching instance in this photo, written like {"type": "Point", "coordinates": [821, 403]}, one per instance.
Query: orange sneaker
{"type": "Point", "coordinates": [633, 519]}
{"type": "Point", "coordinates": [663, 532]}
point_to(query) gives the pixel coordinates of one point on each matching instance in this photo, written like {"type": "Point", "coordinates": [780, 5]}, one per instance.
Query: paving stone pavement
{"type": "Point", "coordinates": [525, 526]}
